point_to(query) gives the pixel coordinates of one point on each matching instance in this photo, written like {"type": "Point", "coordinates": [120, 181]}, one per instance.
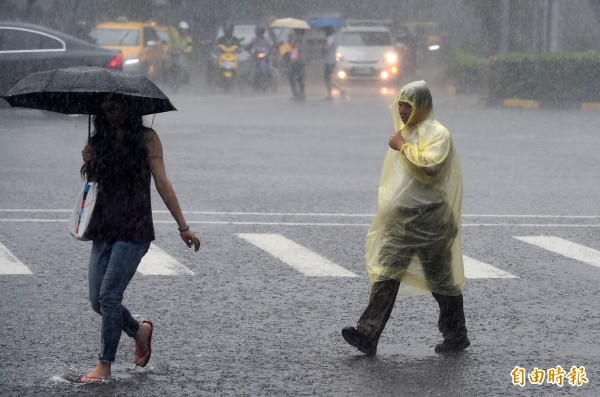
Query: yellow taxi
{"type": "Point", "coordinates": [142, 48]}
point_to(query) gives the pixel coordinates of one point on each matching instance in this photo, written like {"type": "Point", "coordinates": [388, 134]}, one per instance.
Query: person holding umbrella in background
{"type": "Point", "coordinates": [329, 55]}
{"type": "Point", "coordinates": [297, 64]}
{"type": "Point", "coordinates": [297, 54]}
{"type": "Point", "coordinates": [329, 25]}
{"type": "Point", "coordinates": [122, 155]}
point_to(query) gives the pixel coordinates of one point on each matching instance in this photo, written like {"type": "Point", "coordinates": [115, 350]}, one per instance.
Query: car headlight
{"type": "Point", "coordinates": [434, 47]}
{"type": "Point", "coordinates": [131, 61]}
{"type": "Point", "coordinates": [391, 57]}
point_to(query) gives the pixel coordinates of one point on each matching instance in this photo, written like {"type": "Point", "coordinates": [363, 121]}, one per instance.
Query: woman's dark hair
{"type": "Point", "coordinates": [104, 141]}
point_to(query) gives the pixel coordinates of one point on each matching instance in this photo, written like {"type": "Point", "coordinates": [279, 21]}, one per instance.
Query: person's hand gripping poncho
{"type": "Point", "coordinates": [415, 236]}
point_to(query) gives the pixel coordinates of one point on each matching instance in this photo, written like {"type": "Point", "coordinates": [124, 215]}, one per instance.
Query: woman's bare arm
{"type": "Point", "coordinates": [165, 189]}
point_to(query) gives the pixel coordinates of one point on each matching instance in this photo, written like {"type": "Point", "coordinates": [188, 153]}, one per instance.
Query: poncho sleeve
{"type": "Point", "coordinates": [426, 157]}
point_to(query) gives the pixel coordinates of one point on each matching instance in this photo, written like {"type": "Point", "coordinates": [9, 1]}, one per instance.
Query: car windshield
{"type": "Point", "coordinates": [117, 37]}
{"type": "Point", "coordinates": [361, 39]}
{"type": "Point", "coordinates": [244, 32]}
{"type": "Point", "coordinates": [164, 35]}
{"type": "Point", "coordinates": [280, 34]}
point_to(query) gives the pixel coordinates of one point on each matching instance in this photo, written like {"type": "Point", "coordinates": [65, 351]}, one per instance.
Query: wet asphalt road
{"type": "Point", "coordinates": [246, 323]}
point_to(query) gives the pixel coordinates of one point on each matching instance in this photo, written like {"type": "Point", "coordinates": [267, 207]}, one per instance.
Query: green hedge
{"type": "Point", "coordinates": [467, 71]}
{"type": "Point", "coordinates": [546, 77]}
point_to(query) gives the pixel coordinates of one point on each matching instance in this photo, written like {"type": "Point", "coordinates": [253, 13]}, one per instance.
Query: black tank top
{"type": "Point", "coordinates": [123, 210]}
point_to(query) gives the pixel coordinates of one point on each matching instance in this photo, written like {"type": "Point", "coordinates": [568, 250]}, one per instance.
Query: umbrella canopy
{"type": "Point", "coordinates": [291, 23]}
{"type": "Point", "coordinates": [326, 22]}
{"type": "Point", "coordinates": [81, 90]}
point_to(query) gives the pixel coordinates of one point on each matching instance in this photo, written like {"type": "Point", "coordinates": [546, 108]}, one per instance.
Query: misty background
{"type": "Point", "coordinates": [473, 32]}
{"type": "Point", "coordinates": [487, 27]}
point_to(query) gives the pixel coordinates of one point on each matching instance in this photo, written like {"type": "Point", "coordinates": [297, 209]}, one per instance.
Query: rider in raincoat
{"type": "Point", "coordinates": [182, 45]}
{"type": "Point", "coordinates": [413, 244]}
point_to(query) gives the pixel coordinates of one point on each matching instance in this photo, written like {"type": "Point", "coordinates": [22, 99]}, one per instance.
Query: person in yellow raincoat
{"type": "Point", "coordinates": [413, 244]}
{"type": "Point", "coordinates": [182, 45]}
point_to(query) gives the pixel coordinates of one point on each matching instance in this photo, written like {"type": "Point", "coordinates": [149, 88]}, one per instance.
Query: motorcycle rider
{"type": "Point", "coordinates": [259, 44]}
{"type": "Point", "coordinates": [225, 52]}
{"type": "Point", "coordinates": [228, 39]}
{"type": "Point", "coordinates": [182, 44]}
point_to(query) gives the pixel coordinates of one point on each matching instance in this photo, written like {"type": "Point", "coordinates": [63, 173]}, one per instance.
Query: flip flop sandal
{"type": "Point", "coordinates": [145, 357]}
{"type": "Point", "coordinates": [91, 380]}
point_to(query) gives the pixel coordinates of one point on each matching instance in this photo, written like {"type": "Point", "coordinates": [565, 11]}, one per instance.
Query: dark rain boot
{"type": "Point", "coordinates": [451, 324]}
{"type": "Point", "coordinates": [372, 322]}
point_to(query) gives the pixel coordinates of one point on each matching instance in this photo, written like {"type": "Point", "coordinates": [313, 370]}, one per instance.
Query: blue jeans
{"type": "Point", "coordinates": [112, 266]}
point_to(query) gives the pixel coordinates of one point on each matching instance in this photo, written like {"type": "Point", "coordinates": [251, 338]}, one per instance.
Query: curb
{"type": "Point", "coordinates": [521, 103]}
{"type": "Point", "coordinates": [533, 104]}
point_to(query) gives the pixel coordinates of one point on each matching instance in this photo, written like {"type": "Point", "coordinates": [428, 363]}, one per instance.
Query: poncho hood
{"type": "Point", "coordinates": [416, 94]}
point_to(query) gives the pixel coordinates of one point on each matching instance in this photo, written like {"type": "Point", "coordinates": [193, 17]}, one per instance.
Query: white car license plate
{"type": "Point", "coordinates": [363, 71]}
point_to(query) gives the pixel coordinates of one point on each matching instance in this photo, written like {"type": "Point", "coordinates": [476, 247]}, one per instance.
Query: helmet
{"type": "Point", "coordinates": [183, 25]}
{"type": "Point", "coordinates": [260, 30]}
{"type": "Point", "coordinates": [228, 29]}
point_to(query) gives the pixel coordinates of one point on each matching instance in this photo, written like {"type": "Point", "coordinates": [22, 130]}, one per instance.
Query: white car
{"type": "Point", "coordinates": [367, 52]}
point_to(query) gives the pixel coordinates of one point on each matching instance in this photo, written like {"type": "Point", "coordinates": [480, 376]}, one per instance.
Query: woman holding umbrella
{"type": "Point", "coordinates": [121, 156]}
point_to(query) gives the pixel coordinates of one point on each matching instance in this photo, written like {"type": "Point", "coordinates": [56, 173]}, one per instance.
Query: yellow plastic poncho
{"type": "Point", "coordinates": [415, 236]}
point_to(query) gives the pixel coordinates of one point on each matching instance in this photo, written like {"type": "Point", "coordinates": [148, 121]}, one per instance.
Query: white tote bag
{"type": "Point", "coordinates": [82, 213]}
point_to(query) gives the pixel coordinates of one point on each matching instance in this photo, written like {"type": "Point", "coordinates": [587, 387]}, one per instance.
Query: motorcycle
{"type": "Point", "coordinates": [227, 66]}
{"type": "Point", "coordinates": [263, 71]}
{"type": "Point", "coordinates": [174, 69]}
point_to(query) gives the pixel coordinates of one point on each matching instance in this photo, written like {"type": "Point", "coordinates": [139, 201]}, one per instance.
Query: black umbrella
{"type": "Point", "coordinates": [81, 90]}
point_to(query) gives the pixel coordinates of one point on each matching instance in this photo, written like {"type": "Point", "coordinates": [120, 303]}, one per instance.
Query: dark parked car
{"type": "Point", "coordinates": [27, 48]}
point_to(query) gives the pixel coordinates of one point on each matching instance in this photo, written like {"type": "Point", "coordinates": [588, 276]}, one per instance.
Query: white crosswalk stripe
{"type": "Point", "coordinates": [296, 256]}
{"type": "Point", "coordinates": [564, 247]}
{"type": "Point", "coordinates": [311, 264]}
{"type": "Point", "coordinates": [158, 262]}
{"type": "Point", "coordinates": [477, 269]}
{"type": "Point", "coordinates": [9, 264]}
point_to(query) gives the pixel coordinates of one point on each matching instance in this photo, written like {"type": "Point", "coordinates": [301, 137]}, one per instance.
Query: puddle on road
{"type": "Point", "coordinates": [130, 375]}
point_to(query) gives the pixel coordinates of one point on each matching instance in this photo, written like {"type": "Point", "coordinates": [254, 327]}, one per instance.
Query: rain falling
{"type": "Point", "coordinates": [321, 197]}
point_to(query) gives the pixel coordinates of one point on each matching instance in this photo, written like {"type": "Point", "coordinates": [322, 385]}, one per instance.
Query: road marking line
{"type": "Point", "coordinates": [191, 222]}
{"type": "Point", "coordinates": [564, 247]}
{"type": "Point", "coordinates": [296, 256]}
{"type": "Point", "coordinates": [158, 262]}
{"type": "Point", "coordinates": [477, 269]}
{"type": "Point", "coordinates": [323, 214]}
{"type": "Point", "coordinates": [9, 264]}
